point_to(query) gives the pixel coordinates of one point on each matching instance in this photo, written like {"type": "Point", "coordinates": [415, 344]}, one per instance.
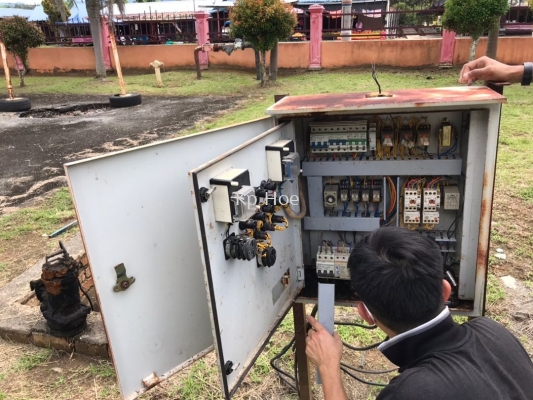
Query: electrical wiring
{"type": "Point", "coordinates": [365, 371]}
{"type": "Point", "coordinates": [292, 380]}
{"type": "Point", "coordinates": [369, 347]}
{"type": "Point", "coordinates": [362, 380]}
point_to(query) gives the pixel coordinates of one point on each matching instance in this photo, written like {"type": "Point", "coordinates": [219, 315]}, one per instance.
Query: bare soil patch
{"type": "Point", "coordinates": [511, 231]}
{"type": "Point", "coordinates": [35, 149]}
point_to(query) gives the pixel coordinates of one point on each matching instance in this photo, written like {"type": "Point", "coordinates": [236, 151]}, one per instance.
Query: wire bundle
{"type": "Point", "coordinates": [292, 380]}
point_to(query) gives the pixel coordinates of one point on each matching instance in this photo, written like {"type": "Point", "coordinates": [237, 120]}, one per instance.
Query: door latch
{"type": "Point", "coordinates": [123, 282]}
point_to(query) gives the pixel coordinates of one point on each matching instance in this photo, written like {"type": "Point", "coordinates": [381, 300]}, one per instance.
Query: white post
{"type": "Point", "coordinates": [346, 27]}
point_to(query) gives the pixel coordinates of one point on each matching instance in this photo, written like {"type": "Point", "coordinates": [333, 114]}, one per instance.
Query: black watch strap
{"type": "Point", "coordinates": [528, 74]}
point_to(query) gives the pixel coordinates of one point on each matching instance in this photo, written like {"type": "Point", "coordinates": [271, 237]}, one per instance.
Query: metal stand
{"type": "Point", "coordinates": [304, 377]}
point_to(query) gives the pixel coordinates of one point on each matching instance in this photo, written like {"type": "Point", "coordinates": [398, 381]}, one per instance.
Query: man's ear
{"type": "Point", "coordinates": [365, 314]}
{"type": "Point", "coordinates": [446, 290]}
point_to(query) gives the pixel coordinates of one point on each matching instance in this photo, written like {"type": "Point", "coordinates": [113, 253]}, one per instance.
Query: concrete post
{"type": "Point", "coordinates": [346, 29]}
{"type": "Point", "coordinates": [447, 49]}
{"type": "Point", "coordinates": [104, 29]}
{"type": "Point", "coordinates": [315, 52]}
{"type": "Point", "coordinates": [202, 34]}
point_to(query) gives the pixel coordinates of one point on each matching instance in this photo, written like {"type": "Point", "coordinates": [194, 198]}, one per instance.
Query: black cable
{"type": "Point", "coordinates": [356, 324]}
{"type": "Point", "coordinates": [280, 372]}
{"type": "Point", "coordinates": [364, 371]}
{"type": "Point", "coordinates": [369, 347]}
{"type": "Point", "coordinates": [362, 380]}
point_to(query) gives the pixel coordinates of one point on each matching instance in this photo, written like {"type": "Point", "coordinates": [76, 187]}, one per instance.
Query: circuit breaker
{"type": "Point", "coordinates": [228, 228]}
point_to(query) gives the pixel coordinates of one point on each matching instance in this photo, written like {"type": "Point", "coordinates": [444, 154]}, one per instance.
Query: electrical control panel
{"type": "Point", "coordinates": [267, 210]}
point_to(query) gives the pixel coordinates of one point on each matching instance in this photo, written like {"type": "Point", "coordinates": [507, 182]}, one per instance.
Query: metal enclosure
{"type": "Point", "coordinates": [135, 207]}
{"type": "Point", "coordinates": [246, 301]}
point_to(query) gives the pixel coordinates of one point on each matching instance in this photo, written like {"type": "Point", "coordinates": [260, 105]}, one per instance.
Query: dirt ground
{"type": "Point", "coordinates": [34, 149]}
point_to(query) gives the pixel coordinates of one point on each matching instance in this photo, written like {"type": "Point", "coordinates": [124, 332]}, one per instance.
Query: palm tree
{"type": "Point", "coordinates": [94, 9]}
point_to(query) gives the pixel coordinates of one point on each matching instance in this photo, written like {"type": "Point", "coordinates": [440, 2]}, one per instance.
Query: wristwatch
{"type": "Point", "coordinates": [528, 73]}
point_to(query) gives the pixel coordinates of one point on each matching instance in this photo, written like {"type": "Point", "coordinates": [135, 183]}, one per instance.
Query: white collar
{"type": "Point", "coordinates": [415, 331]}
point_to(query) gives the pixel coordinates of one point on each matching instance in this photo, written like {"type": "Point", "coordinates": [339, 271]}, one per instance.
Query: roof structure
{"type": "Point", "coordinates": [11, 12]}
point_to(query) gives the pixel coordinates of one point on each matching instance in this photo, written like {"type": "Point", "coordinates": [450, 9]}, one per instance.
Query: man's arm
{"type": "Point", "coordinates": [487, 69]}
{"type": "Point", "coordinates": [325, 351]}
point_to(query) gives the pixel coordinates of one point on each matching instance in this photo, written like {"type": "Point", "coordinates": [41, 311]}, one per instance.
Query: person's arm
{"type": "Point", "coordinates": [487, 69]}
{"type": "Point", "coordinates": [325, 351]}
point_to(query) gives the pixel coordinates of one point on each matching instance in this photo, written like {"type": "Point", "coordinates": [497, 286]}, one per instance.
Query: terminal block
{"type": "Point", "coordinates": [325, 262]}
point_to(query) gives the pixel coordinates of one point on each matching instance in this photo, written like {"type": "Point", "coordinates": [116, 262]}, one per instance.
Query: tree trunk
{"type": "Point", "coordinates": [93, 12]}
{"type": "Point", "coordinates": [21, 76]}
{"type": "Point", "coordinates": [274, 63]}
{"type": "Point", "coordinates": [473, 48]}
{"type": "Point", "coordinates": [492, 45]}
{"type": "Point", "coordinates": [263, 68]}
{"type": "Point", "coordinates": [257, 65]}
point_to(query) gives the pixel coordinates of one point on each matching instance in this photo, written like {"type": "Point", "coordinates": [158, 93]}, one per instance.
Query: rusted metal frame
{"type": "Point", "coordinates": [300, 334]}
{"type": "Point", "coordinates": [117, 62]}
{"type": "Point", "coordinates": [6, 70]}
{"type": "Point", "coordinates": [489, 178]}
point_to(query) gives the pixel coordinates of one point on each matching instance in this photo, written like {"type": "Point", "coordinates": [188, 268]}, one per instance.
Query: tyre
{"type": "Point", "coordinates": [15, 105]}
{"type": "Point", "coordinates": [127, 100]}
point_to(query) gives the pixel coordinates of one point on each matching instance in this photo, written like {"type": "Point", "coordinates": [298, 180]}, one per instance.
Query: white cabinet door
{"type": "Point", "coordinates": [134, 208]}
{"type": "Point", "coordinates": [246, 302]}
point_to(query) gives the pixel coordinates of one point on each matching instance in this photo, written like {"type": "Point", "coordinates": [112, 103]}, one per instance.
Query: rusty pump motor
{"type": "Point", "coordinates": [58, 290]}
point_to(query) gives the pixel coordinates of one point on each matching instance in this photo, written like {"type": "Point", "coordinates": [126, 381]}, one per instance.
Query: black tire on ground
{"type": "Point", "coordinates": [128, 100]}
{"type": "Point", "coordinates": [15, 105]}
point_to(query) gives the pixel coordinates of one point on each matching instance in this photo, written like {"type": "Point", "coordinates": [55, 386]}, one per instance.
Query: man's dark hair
{"type": "Point", "coordinates": [398, 274]}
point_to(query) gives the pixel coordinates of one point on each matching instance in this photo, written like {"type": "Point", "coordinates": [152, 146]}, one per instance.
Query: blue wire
{"type": "Point", "coordinates": [345, 208]}
{"type": "Point", "coordinates": [361, 156]}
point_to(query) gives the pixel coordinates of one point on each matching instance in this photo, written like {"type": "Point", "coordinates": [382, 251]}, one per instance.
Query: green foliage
{"type": "Point", "coordinates": [495, 290]}
{"type": "Point", "coordinates": [54, 14]}
{"type": "Point", "coordinates": [262, 22]}
{"type": "Point", "coordinates": [413, 19]}
{"type": "Point", "coordinates": [55, 211]}
{"type": "Point", "coordinates": [473, 17]}
{"type": "Point", "coordinates": [32, 360]}
{"type": "Point", "coordinates": [19, 36]}
{"type": "Point", "coordinates": [102, 370]}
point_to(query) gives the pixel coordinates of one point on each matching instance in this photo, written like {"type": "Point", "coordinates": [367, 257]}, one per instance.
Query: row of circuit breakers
{"type": "Point", "coordinates": [256, 210]}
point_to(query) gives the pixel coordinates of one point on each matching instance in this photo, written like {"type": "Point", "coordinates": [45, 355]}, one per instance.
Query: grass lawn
{"type": "Point", "coordinates": [511, 226]}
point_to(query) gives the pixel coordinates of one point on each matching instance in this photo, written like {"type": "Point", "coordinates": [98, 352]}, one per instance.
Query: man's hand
{"type": "Point", "coordinates": [323, 349]}
{"type": "Point", "coordinates": [487, 69]}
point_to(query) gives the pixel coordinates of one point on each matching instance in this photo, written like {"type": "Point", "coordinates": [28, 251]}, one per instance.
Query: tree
{"type": "Point", "coordinates": [54, 14]}
{"type": "Point", "coordinates": [19, 36]}
{"type": "Point", "coordinates": [262, 23]}
{"type": "Point", "coordinates": [94, 9]}
{"type": "Point", "coordinates": [473, 17]}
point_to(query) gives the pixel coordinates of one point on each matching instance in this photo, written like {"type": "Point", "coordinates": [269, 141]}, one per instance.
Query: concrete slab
{"type": "Point", "coordinates": [25, 324]}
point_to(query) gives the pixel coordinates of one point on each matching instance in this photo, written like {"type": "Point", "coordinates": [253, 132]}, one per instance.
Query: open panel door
{"type": "Point", "coordinates": [134, 209]}
{"type": "Point", "coordinates": [247, 301]}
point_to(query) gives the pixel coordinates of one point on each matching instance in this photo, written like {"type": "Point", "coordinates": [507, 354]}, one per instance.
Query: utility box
{"type": "Point", "coordinates": [213, 229]}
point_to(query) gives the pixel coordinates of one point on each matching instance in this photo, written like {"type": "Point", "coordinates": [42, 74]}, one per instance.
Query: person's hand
{"type": "Point", "coordinates": [323, 349]}
{"type": "Point", "coordinates": [487, 69]}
